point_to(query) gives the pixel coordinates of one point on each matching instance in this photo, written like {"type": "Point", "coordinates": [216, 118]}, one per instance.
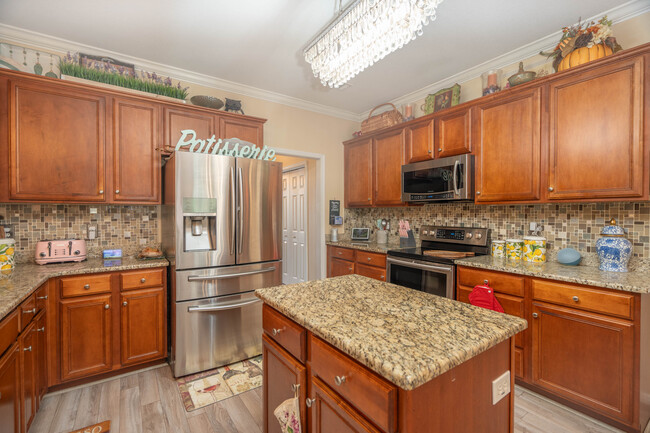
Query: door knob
{"type": "Point", "coordinates": [125, 303]}
{"type": "Point", "coordinates": [117, 191]}
{"type": "Point", "coordinates": [369, 258]}
{"type": "Point", "coordinates": [101, 191]}
{"type": "Point", "coordinates": [143, 280]}
{"type": "Point", "coordinates": [440, 149]}
{"type": "Point", "coordinates": [106, 307]}
{"type": "Point", "coordinates": [478, 192]}
{"type": "Point", "coordinates": [535, 315]}
{"type": "Point", "coordinates": [550, 188]}
{"type": "Point", "coordinates": [87, 286]}
{"type": "Point", "coordinates": [575, 298]}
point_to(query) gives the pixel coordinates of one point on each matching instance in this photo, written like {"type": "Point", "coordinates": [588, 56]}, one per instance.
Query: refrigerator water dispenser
{"type": "Point", "coordinates": [200, 224]}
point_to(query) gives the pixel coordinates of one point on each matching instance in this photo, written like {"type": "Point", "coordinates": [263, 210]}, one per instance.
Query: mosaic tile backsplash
{"type": "Point", "coordinates": [128, 227]}
{"type": "Point", "coordinates": [564, 225]}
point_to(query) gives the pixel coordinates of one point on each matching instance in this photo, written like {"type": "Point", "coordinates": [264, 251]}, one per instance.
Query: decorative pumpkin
{"type": "Point", "coordinates": [583, 55]}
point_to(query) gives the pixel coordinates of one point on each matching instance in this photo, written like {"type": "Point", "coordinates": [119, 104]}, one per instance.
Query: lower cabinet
{"type": "Point", "coordinates": [28, 353]}
{"type": "Point", "coordinates": [346, 261]}
{"type": "Point", "coordinates": [142, 325]}
{"type": "Point", "coordinates": [41, 358]}
{"type": "Point", "coordinates": [10, 390]}
{"type": "Point", "coordinates": [340, 267]}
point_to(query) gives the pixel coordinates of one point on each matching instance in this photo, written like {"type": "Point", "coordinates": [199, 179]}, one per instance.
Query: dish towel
{"type": "Point", "coordinates": [288, 415]}
{"type": "Point", "coordinates": [483, 296]}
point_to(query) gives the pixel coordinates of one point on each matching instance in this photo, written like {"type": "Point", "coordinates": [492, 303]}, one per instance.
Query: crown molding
{"type": "Point", "coordinates": [20, 36]}
{"type": "Point", "coordinates": [618, 14]}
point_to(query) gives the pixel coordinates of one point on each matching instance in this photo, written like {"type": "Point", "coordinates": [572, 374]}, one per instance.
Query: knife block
{"type": "Point", "coordinates": [408, 241]}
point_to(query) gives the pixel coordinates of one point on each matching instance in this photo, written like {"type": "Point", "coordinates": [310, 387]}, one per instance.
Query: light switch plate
{"type": "Point", "coordinates": [500, 387]}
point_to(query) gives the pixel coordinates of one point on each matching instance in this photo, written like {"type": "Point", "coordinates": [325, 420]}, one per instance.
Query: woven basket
{"type": "Point", "coordinates": [383, 120]}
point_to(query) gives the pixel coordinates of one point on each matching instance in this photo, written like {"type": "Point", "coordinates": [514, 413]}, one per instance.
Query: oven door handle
{"type": "Point", "coordinates": [205, 308]}
{"type": "Point", "coordinates": [420, 265]}
{"type": "Point", "coordinates": [456, 189]}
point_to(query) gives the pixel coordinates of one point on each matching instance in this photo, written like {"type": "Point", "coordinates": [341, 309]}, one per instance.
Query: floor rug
{"type": "Point", "coordinates": [102, 427]}
{"type": "Point", "coordinates": [206, 388]}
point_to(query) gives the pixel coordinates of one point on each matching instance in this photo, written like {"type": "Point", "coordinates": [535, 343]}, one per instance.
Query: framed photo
{"type": "Point", "coordinates": [102, 62]}
{"type": "Point", "coordinates": [442, 99]}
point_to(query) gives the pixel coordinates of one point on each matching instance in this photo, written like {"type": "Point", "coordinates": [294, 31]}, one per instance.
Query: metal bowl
{"type": "Point", "coordinates": [207, 101]}
{"type": "Point", "coordinates": [521, 76]}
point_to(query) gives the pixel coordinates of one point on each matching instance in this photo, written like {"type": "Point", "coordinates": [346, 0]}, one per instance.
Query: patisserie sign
{"type": "Point", "coordinates": [229, 147]}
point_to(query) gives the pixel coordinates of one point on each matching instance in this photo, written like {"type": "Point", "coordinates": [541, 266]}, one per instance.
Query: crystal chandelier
{"type": "Point", "coordinates": [364, 33]}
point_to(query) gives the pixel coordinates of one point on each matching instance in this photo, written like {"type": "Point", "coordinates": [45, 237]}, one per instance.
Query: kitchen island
{"type": "Point", "coordinates": [373, 356]}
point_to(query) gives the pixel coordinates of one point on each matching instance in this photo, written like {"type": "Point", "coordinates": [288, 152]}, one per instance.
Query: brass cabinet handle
{"type": "Point", "coordinates": [339, 380]}
{"type": "Point", "coordinates": [310, 401]}
{"type": "Point", "coordinates": [143, 280]}
{"type": "Point", "coordinates": [535, 315]}
{"type": "Point", "coordinates": [87, 286]}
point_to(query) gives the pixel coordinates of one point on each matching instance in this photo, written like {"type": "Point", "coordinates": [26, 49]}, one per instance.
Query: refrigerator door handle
{"type": "Point", "coordinates": [233, 207]}
{"type": "Point", "coordinates": [226, 276]}
{"type": "Point", "coordinates": [208, 308]}
{"type": "Point", "coordinates": [240, 208]}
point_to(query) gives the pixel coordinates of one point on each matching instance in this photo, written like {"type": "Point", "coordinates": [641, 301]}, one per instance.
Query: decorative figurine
{"type": "Point", "coordinates": [233, 105]}
{"type": "Point", "coordinates": [614, 250]}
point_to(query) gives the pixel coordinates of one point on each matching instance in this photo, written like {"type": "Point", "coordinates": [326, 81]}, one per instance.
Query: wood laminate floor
{"type": "Point", "coordinates": [149, 402]}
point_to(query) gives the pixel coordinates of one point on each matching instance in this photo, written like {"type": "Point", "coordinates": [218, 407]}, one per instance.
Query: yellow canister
{"type": "Point", "coordinates": [534, 249]}
{"type": "Point", "coordinates": [7, 248]}
{"type": "Point", "coordinates": [498, 248]}
{"type": "Point", "coordinates": [514, 249]}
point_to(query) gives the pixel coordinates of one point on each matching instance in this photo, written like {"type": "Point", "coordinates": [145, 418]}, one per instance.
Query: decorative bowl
{"type": "Point", "coordinates": [569, 257]}
{"type": "Point", "coordinates": [521, 76]}
{"type": "Point", "coordinates": [207, 101]}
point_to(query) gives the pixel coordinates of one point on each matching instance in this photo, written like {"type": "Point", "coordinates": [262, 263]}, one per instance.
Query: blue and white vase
{"type": "Point", "coordinates": [614, 250]}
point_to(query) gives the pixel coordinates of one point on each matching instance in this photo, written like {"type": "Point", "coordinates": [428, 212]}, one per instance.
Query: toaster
{"type": "Point", "coordinates": [67, 250]}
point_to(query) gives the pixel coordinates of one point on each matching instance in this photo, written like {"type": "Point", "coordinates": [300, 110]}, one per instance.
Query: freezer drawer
{"type": "Point", "coordinates": [213, 332]}
{"type": "Point", "coordinates": [211, 282]}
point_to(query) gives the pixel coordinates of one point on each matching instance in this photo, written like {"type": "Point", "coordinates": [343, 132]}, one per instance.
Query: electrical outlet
{"type": "Point", "coordinates": [143, 242]}
{"type": "Point", "coordinates": [93, 210]}
{"type": "Point", "coordinates": [145, 218]}
{"type": "Point", "coordinates": [500, 387]}
{"type": "Point", "coordinates": [92, 232]}
{"type": "Point", "coordinates": [127, 235]}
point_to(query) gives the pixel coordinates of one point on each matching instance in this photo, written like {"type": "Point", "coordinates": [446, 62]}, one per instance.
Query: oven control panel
{"type": "Point", "coordinates": [460, 235]}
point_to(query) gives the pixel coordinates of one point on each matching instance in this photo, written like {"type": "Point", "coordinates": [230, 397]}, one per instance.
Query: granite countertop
{"type": "Point", "coordinates": [27, 277]}
{"type": "Point", "coordinates": [373, 246]}
{"type": "Point", "coordinates": [406, 336]}
{"type": "Point", "coordinates": [637, 281]}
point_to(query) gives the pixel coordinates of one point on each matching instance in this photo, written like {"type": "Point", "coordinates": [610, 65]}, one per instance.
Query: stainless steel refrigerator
{"type": "Point", "coordinates": [221, 230]}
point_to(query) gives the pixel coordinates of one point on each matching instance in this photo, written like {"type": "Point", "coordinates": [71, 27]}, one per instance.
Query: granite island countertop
{"type": "Point", "coordinates": [25, 278]}
{"type": "Point", "coordinates": [406, 336]}
{"type": "Point", "coordinates": [372, 247]}
{"type": "Point", "coordinates": [637, 281]}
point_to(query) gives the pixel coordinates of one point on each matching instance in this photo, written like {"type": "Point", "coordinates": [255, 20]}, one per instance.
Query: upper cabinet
{"type": "Point", "coordinates": [453, 129]}
{"type": "Point", "coordinates": [387, 160]}
{"type": "Point", "coordinates": [177, 119]}
{"type": "Point", "coordinates": [596, 146]}
{"type": "Point", "coordinates": [243, 129]}
{"type": "Point", "coordinates": [506, 132]}
{"type": "Point", "coordinates": [419, 141]}
{"type": "Point", "coordinates": [358, 173]}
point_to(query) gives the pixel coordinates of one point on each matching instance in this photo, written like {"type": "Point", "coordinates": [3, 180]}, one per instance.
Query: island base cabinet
{"type": "Point", "coordinates": [331, 414]}
{"type": "Point", "coordinates": [284, 377]}
{"type": "Point", "coordinates": [10, 391]}
{"type": "Point", "coordinates": [585, 357]}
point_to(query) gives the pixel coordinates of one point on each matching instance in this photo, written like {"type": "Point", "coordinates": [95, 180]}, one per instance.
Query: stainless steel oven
{"type": "Point", "coordinates": [443, 179]}
{"type": "Point", "coordinates": [435, 278]}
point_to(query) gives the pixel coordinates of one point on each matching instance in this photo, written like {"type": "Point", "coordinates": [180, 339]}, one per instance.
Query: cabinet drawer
{"type": "Point", "coordinates": [342, 253]}
{"type": "Point", "coordinates": [27, 311]}
{"type": "Point", "coordinates": [372, 395]}
{"type": "Point", "coordinates": [371, 272]}
{"type": "Point", "coordinates": [287, 333]}
{"type": "Point", "coordinates": [85, 285]}
{"type": "Point", "coordinates": [584, 298]}
{"type": "Point", "coordinates": [9, 330]}
{"type": "Point", "coordinates": [372, 259]}
{"type": "Point", "coordinates": [141, 279]}
{"type": "Point", "coordinates": [502, 283]}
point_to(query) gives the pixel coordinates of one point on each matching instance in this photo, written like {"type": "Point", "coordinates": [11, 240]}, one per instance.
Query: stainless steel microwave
{"type": "Point", "coordinates": [443, 179]}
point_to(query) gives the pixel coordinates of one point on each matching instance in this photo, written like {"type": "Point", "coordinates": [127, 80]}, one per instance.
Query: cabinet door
{"type": "Point", "coordinates": [282, 372]}
{"type": "Point", "coordinates": [453, 133]}
{"type": "Point", "coordinates": [143, 325]}
{"type": "Point", "coordinates": [331, 414]}
{"type": "Point", "coordinates": [340, 267]}
{"type": "Point", "coordinates": [28, 350]}
{"type": "Point", "coordinates": [587, 358]}
{"type": "Point", "coordinates": [596, 133]}
{"type": "Point", "coordinates": [388, 157]}
{"type": "Point", "coordinates": [136, 161]}
{"type": "Point", "coordinates": [176, 120]}
{"type": "Point", "coordinates": [358, 173]}
{"type": "Point", "coordinates": [371, 271]}
{"type": "Point", "coordinates": [41, 359]}
{"type": "Point", "coordinates": [86, 338]}
{"type": "Point", "coordinates": [243, 129]}
{"type": "Point", "coordinates": [506, 133]}
{"type": "Point", "coordinates": [10, 391]}
{"type": "Point", "coordinates": [419, 142]}
{"type": "Point", "coordinates": [57, 143]}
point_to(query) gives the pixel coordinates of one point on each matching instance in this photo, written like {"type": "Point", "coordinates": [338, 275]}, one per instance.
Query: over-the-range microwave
{"type": "Point", "coordinates": [443, 179]}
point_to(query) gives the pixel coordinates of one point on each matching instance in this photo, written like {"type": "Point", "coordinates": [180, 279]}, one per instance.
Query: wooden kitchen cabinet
{"type": "Point", "coordinates": [57, 140]}
{"type": "Point", "coordinates": [585, 357]}
{"type": "Point", "coordinates": [136, 158]}
{"type": "Point", "coordinates": [596, 148]}
{"type": "Point", "coordinates": [177, 119]}
{"type": "Point", "coordinates": [243, 129]}
{"type": "Point", "coordinates": [283, 376]}
{"type": "Point", "coordinates": [10, 390]}
{"type": "Point", "coordinates": [143, 326]}
{"type": "Point", "coordinates": [41, 358]}
{"type": "Point", "coordinates": [86, 338]}
{"type": "Point", "coordinates": [358, 173]}
{"type": "Point", "coordinates": [388, 157]}
{"type": "Point", "coordinates": [345, 261]}
{"type": "Point", "coordinates": [29, 375]}
{"type": "Point", "coordinates": [419, 142]}
{"type": "Point", "coordinates": [340, 267]}
{"type": "Point", "coordinates": [506, 133]}
{"type": "Point", "coordinates": [453, 132]}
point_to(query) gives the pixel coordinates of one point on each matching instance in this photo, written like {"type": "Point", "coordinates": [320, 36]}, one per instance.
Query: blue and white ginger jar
{"type": "Point", "coordinates": [614, 250]}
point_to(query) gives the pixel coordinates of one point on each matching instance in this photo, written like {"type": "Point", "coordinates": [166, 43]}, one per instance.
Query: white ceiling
{"type": "Point", "coordinates": [259, 43]}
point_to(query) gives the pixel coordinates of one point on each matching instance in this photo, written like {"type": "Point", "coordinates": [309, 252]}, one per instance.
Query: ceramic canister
{"type": "Point", "coordinates": [498, 248]}
{"type": "Point", "coordinates": [7, 247]}
{"type": "Point", "coordinates": [534, 249]}
{"type": "Point", "coordinates": [614, 250]}
{"type": "Point", "coordinates": [514, 249]}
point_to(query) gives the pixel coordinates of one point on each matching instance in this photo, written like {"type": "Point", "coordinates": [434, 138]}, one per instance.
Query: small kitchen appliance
{"type": "Point", "coordinates": [360, 234]}
{"type": "Point", "coordinates": [57, 251]}
{"type": "Point", "coordinates": [430, 268]}
{"type": "Point", "coordinates": [441, 179]}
